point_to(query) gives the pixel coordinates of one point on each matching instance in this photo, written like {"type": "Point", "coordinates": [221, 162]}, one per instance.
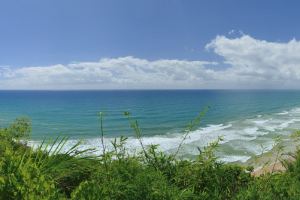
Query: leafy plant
{"type": "Point", "coordinates": [55, 171]}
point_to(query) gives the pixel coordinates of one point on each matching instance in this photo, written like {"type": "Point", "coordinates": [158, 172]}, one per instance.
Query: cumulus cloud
{"type": "Point", "coordinates": [247, 63]}
{"type": "Point", "coordinates": [260, 63]}
{"type": "Point", "coordinates": [113, 73]}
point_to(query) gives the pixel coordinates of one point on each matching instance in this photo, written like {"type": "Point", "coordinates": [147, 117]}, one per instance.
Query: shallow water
{"type": "Point", "coordinates": [248, 120]}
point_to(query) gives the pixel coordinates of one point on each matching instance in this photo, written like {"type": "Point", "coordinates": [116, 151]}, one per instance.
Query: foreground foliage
{"type": "Point", "coordinates": [47, 172]}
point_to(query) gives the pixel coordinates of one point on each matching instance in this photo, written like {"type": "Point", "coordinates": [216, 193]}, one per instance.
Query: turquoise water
{"type": "Point", "coordinates": [247, 119]}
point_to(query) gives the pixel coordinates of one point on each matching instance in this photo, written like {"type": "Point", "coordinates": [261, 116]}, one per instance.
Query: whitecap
{"type": "Point", "coordinates": [234, 158]}
{"type": "Point", "coordinates": [246, 135]}
{"type": "Point", "coordinates": [283, 113]}
{"type": "Point", "coordinates": [251, 130]}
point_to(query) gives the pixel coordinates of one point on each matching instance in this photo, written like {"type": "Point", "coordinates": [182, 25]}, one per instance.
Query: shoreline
{"type": "Point", "coordinates": [271, 161]}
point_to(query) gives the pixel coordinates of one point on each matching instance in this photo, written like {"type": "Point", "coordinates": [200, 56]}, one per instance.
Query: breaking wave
{"type": "Point", "coordinates": [242, 139]}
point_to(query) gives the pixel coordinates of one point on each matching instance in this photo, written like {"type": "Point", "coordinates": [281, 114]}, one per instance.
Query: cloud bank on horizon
{"type": "Point", "coordinates": [250, 64]}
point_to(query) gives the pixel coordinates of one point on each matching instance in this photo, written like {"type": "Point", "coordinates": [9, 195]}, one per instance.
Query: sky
{"type": "Point", "coordinates": [157, 44]}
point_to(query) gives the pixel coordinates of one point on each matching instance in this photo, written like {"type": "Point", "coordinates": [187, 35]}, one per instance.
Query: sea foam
{"type": "Point", "coordinates": [247, 136]}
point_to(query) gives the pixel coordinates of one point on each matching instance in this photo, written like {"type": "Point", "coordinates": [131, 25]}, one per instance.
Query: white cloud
{"type": "Point", "coordinates": [250, 63]}
{"type": "Point", "coordinates": [260, 63]}
{"type": "Point", "coordinates": [123, 73]}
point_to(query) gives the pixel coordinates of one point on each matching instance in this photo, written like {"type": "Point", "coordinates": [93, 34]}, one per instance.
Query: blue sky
{"type": "Point", "coordinates": [46, 33]}
{"type": "Point", "coordinates": [35, 32]}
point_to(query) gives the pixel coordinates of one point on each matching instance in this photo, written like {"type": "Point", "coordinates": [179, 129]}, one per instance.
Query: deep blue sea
{"type": "Point", "coordinates": [247, 119]}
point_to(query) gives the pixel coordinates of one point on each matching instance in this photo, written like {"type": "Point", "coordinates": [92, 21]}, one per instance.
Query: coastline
{"type": "Point", "coordinates": [271, 161]}
{"type": "Point", "coordinates": [75, 174]}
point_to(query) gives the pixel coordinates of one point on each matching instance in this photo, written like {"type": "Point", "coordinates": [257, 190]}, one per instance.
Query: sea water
{"type": "Point", "coordinates": [248, 120]}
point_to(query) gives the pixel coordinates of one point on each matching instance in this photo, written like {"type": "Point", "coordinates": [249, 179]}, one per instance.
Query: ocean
{"type": "Point", "coordinates": [248, 120]}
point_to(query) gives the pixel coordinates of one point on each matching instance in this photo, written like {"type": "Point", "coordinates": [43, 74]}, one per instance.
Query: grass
{"type": "Point", "coordinates": [47, 172]}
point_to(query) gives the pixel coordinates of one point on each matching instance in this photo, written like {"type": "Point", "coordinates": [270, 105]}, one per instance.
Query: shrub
{"type": "Point", "coordinates": [49, 173]}
{"type": "Point", "coordinates": [281, 186]}
{"type": "Point", "coordinates": [21, 179]}
{"type": "Point", "coordinates": [129, 181]}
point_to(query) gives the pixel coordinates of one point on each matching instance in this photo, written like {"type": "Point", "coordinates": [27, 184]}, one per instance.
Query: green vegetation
{"type": "Point", "coordinates": [47, 172]}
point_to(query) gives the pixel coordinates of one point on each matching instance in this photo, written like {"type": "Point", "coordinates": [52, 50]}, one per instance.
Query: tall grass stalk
{"type": "Point", "coordinates": [190, 127]}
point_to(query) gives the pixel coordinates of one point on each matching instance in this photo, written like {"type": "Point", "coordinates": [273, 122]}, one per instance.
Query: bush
{"type": "Point", "coordinates": [130, 181]}
{"type": "Point", "coordinates": [272, 187]}
{"type": "Point", "coordinates": [49, 173]}
{"type": "Point", "coordinates": [20, 179]}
